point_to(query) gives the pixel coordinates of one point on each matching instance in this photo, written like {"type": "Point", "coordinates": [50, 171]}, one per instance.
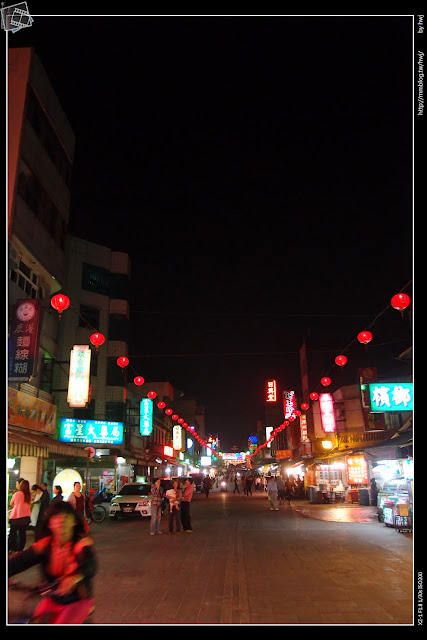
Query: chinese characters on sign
{"type": "Point", "coordinates": [271, 391]}
{"type": "Point", "coordinates": [90, 431]}
{"type": "Point", "coordinates": [30, 412]}
{"type": "Point", "coordinates": [357, 470]}
{"type": "Point", "coordinates": [146, 417]}
{"type": "Point", "coordinates": [289, 403]}
{"type": "Point", "coordinates": [327, 415]}
{"type": "Point", "coordinates": [391, 397]}
{"type": "Point", "coordinates": [78, 381]}
{"type": "Point", "coordinates": [303, 425]}
{"type": "Point", "coordinates": [168, 451]}
{"type": "Point", "coordinates": [23, 341]}
{"type": "Point", "coordinates": [177, 438]}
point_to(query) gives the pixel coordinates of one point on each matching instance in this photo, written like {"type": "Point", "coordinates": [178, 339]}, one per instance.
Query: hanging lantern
{"type": "Point", "coordinates": [400, 301]}
{"type": "Point", "coordinates": [123, 361]}
{"type": "Point", "coordinates": [305, 406]}
{"type": "Point", "coordinates": [97, 339]}
{"type": "Point", "coordinates": [326, 381]}
{"type": "Point", "coordinates": [175, 416]}
{"type": "Point", "coordinates": [151, 395]}
{"type": "Point", "coordinates": [180, 420]}
{"type": "Point", "coordinates": [286, 423]}
{"type": "Point", "coordinates": [161, 404]}
{"type": "Point", "coordinates": [297, 412]}
{"type": "Point", "coordinates": [341, 361]}
{"type": "Point", "coordinates": [139, 380]}
{"type": "Point", "coordinates": [364, 337]}
{"type": "Point", "coordinates": [60, 302]}
{"type": "Point", "coordinates": [291, 418]}
{"type": "Point", "coordinates": [185, 425]}
{"type": "Point", "coordinates": [168, 412]}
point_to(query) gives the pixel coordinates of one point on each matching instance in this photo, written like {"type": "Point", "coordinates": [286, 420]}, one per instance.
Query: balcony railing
{"type": "Point", "coordinates": [364, 437]}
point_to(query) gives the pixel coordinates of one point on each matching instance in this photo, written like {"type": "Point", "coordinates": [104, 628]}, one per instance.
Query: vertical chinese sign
{"type": "Point", "coordinates": [271, 391]}
{"type": "Point", "coordinates": [146, 417]}
{"type": "Point", "coordinates": [289, 403]}
{"type": "Point", "coordinates": [79, 376]}
{"type": "Point", "coordinates": [327, 415]}
{"type": "Point", "coordinates": [23, 340]}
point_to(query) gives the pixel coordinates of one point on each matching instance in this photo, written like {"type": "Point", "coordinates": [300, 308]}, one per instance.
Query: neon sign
{"type": "Point", "coordinates": [395, 396]}
{"type": "Point", "coordinates": [146, 417]}
{"type": "Point", "coordinates": [78, 381]}
{"type": "Point", "coordinates": [90, 431]}
{"type": "Point", "coordinates": [289, 403]}
{"type": "Point", "coordinates": [327, 415]}
{"type": "Point", "coordinates": [357, 470]}
{"type": "Point", "coordinates": [303, 425]}
{"type": "Point", "coordinates": [271, 391]}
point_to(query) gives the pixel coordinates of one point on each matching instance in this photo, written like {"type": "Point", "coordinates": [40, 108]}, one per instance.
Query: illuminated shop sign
{"type": "Point", "coordinates": [90, 431]}
{"type": "Point", "coordinates": [23, 341]}
{"type": "Point", "coordinates": [177, 437]}
{"type": "Point", "coordinates": [395, 396]}
{"type": "Point", "coordinates": [78, 381]}
{"type": "Point", "coordinates": [289, 403]}
{"type": "Point", "coordinates": [271, 391]}
{"type": "Point", "coordinates": [303, 425]}
{"type": "Point", "coordinates": [146, 417]}
{"type": "Point", "coordinates": [168, 451]}
{"type": "Point", "coordinates": [233, 457]}
{"type": "Point", "coordinates": [357, 470]}
{"type": "Point", "coordinates": [268, 432]}
{"type": "Point", "coordinates": [327, 415]}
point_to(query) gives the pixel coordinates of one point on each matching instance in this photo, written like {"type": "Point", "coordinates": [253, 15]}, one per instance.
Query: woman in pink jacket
{"type": "Point", "coordinates": [19, 518]}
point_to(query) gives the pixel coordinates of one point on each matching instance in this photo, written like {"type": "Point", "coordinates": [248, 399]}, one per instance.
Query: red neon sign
{"type": "Point", "coordinates": [289, 403]}
{"type": "Point", "coordinates": [168, 451]}
{"type": "Point", "coordinates": [357, 470]}
{"type": "Point", "coordinates": [271, 391]}
{"type": "Point", "coordinates": [327, 414]}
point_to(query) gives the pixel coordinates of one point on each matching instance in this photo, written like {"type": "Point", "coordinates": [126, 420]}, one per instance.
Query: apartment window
{"type": "Point", "coordinates": [95, 279]}
{"type": "Point", "coordinates": [89, 317]}
{"type": "Point", "coordinates": [26, 279]}
{"type": "Point", "coordinates": [115, 411]}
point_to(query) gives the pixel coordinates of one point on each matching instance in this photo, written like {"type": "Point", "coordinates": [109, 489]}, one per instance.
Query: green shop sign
{"type": "Point", "coordinates": [395, 396]}
{"type": "Point", "coordinates": [90, 431]}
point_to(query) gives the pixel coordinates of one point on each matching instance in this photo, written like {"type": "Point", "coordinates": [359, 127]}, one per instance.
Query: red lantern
{"type": "Point", "coordinates": [305, 406]}
{"type": "Point", "coordinates": [123, 361]}
{"type": "Point", "coordinates": [175, 416]}
{"type": "Point", "coordinates": [400, 301]}
{"type": "Point", "coordinates": [314, 396]}
{"type": "Point", "coordinates": [286, 423]}
{"type": "Point", "coordinates": [341, 361]}
{"type": "Point", "coordinates": [297, 412]}
{"type": "Point", "coordinates": [185, 425]}
{"type": "Point", "coordinates": [60, 302]}
{"type": "Point", "coordinates": [326, 381]}
{"type": "Point", "coordinates": [180, 420]}
{"type": "Point", "coordinates": [97, 339]}
{"type": "Point", "coordinates": [139, 380]}
{"type": "Point", "coordinates": [151, 395]}
{"type": "Point", "coordinates": [168, 412]}
{"type": "Point", "coordinates": [161, 404]}
{"type": "Point", "coordinates": [291, 418]}
{"type": "Point", "coordinates": [364, 337]}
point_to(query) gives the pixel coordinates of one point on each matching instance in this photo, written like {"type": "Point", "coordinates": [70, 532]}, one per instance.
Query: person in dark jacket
{"type": "Point", "coordinates": [68, 561]}
{"type": "Point", "coordinates": [58, 497]}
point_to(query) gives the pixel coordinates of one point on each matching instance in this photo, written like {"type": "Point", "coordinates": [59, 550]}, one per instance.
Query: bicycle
{"type": "Point", "coordinates": [95, 512]}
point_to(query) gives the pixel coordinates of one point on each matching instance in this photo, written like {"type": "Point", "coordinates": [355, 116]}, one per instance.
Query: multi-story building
{"type": "Point", "coordinates": [40, 158]}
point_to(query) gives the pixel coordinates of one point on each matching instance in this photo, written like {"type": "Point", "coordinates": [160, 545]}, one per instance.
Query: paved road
{"type": "Point", "coordinates": [246, 565]}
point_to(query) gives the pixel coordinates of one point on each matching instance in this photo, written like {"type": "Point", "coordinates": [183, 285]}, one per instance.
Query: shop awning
{"type": "Point", "coordinates": [391, 449]}
{"type": "Point", "coordinates": [33, 444]}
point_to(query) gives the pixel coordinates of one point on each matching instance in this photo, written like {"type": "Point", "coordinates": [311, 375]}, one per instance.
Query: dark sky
{"type": "Point", "coordinates": [259, 173]}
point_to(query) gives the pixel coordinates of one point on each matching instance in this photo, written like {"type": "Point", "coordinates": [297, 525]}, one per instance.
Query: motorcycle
{"type": "Point", "coordinates": [224, 485]}
{"type": "Point", "coordinates": [23, 600]}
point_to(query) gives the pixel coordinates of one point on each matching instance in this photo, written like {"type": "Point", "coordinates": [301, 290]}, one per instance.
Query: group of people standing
{"type": "Point", "coordinates": [179, 507]}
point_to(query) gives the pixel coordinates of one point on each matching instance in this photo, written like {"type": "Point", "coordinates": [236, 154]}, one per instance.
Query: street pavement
{"type": "Point", "coordinates": [305, 564]}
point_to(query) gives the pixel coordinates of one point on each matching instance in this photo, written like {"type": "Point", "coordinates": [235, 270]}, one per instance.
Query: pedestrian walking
{"type": "Point", "coordinates": [206, 485]}
{"type": "Point", "coordinates": [187, 496]}
{"type": "Point", "coordinates": [272, 493]}
{"type": "Point", "coordinates": [77, 499]}
{"type": "Point", "coordinates": [244, 484]}
{"type": "Point", "coordinates": [257, 483]}
{"type": "Point", "coordinates": [280, 489]}
{"type": "Point", "coordinates": [20, 515]}
{"type": "Point", "coordinates": [288, 491]}
{"type": "Point", "coordinates": [249, 485]}
{"type": "Point", "coordinates": [374, 492]}
{"type": "Point", "coordinates": [175, 496]}
{"type": "Point", "coordinates": [36, 496]}
{"type": "Point", "coordinates": [236, 485]}
{"type": "Point", "coordinates": [156, 507]}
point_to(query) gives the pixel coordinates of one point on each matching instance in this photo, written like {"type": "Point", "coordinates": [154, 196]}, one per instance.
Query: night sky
{"type": "Point", "coordinates": [258, 171]}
